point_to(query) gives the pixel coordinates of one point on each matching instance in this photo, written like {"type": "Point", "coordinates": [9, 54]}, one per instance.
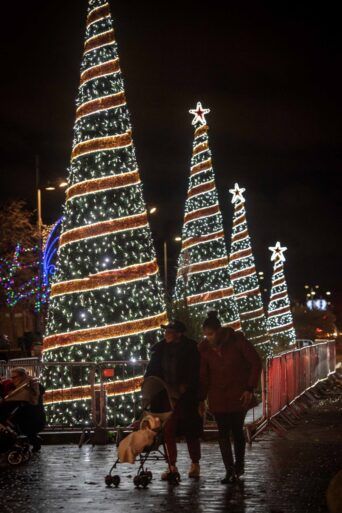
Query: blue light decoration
{"type": "Point", "coordinates": [317, 304]}
{"type": "Point", "coordinates": [50, 253]}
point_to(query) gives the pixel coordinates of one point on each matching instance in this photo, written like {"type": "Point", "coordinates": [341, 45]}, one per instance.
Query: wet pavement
{"type": "Point", "coordinates": [283, 476]}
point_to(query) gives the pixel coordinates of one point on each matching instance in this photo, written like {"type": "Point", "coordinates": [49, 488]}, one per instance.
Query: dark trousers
{"type": "Point", "coordinates": [232, 424]}
{"type": "Point", "coordinates": [170, 433]}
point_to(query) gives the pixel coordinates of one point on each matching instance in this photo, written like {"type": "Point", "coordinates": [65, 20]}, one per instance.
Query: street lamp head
{"type": "Point", "coordinates": [50, 188]}
{"type": "Point", "coordinates": [178, 238]}
{"type": "Point", "coordinates": [153, 210]}
{"type": "Point", "coordinates": [63, 184]}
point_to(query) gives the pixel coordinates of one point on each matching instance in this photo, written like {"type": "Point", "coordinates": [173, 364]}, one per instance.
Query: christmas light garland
{"type": "Point", "coordinates": [99, 41]}
{"type": "Point", "coordinates": [102, 184]}
{"type": "Point", "coordinates": [208, 265]}
{"type": "Point", "coordinates": [111, 101]}
{"type": "Point", "coordinates": [98, 14]}
{"type": "Point", "coordinates": [106, 279]}
{"type": "Point", "coordinates": [101, 144]}
{"type": "Point", "coordinates": [201, 189]}
{"type": "Point", "coordinates": [112, 388]}
{"type": "Point", "coordinates": [86, 336]}
{"type": "Point", "coordinates": [201, 212]}
{"type": "Point", "coordinates": [202, 239]}
{"type": "Point", "coordinates": [200, 168]}
{"type": "Point", "coordinates": [104, 228]}
{"type": "Point", "coordinates": [100, 70]}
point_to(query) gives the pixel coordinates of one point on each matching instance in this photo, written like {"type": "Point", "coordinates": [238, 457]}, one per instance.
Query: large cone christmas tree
{"type": "Point", "coordinates": [244, 277]}
{"type": "Point", "coordinates": [106, 299]}
{"type": "Point", "coordinates": [203, 281]}
{"type": "Point", "coordinates": [279, 318]}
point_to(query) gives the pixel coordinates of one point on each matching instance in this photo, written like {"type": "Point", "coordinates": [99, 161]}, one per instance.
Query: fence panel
{"type": "Point", "coordinates": [332, 356]}
{"type": "Point", "coordinates": [3, 368]}
{"type": "Point", "coordinates": [33, 366]}
{"type": "Point", "coordinates": [291, 374]}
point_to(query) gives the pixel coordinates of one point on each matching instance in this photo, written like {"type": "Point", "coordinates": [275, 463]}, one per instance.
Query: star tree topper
{"type": "Point", "coordinates": [277, 252]}
{"type": "Point", "coordinates": [199, 114]}
{"type": "Point", "coordinates": [237, 193]}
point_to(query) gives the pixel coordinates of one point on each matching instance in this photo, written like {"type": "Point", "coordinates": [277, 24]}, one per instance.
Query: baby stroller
{"type": "Point", "coordinates": [156, 402]}
{"type": "Point", "coordinates": [13, 446]}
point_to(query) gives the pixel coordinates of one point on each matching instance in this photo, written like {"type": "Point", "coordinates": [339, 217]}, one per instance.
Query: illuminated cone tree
{"type": "Point", "coordinates": [106, 301]}
{"type": "Point", "coordinates": [244, 277]}
{"type": "Point", "coordinates": [279, 319]}
{"type": "Point", "coordinates": [203, 281]}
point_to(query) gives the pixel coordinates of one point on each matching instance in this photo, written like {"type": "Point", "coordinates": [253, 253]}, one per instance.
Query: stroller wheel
{"type": "Point", "coordinates": [137, 481]}
{"type": "Point", "coordinates": [15, 457]}
{"type": "Point", "coordinates": [26, 454]}
{"type": "Point", "coordinates": [116, 481]}
{"type": "Point", "coordinates": [144, 481]}
{"type": "Point", "coordinates": [108, 480]}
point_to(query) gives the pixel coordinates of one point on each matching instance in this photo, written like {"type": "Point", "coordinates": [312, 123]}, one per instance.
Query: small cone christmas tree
{"type": "Point", "coordinates": [203, 281]}
{"type": "Point", "coordinates": [106, 301]}
{"type": "Point", "coordinates": [244, 277]}
{"type": "Point", "coordinates": [279, 319]}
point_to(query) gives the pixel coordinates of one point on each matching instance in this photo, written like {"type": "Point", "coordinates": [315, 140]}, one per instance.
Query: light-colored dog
{"type": "Point", "coordinates": [134, 443]}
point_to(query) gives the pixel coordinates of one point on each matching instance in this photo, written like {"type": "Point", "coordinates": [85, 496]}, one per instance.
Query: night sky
{"type": "Point", "coordinates": [271, 76]}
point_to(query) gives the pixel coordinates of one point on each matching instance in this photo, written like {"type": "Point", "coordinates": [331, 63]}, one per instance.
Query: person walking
{"type": "Point", "coordinates": [229, 373]}
{"type": "Point", "coordinates": [176, 360]}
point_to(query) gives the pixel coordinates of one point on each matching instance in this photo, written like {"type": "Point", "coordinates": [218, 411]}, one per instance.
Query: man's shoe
{"type": "Point", "coordinates": [194, 471]}
{"type": "Point", "coordinates": [239, 470]}
{"type": "Point", "coordinates": [230, 478]}
{"type": "Point", "coordinates": [165, 475]}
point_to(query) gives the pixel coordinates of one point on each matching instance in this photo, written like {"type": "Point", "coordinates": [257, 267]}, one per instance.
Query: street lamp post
{"type": "Point", "coordinates": [61, 184]}
{"type": "Point", "coordinates": [152, 211]}
{"type": "Point", "coordinates": [40, 243]}
{"type": "Point", "coordinates": [165, 264]}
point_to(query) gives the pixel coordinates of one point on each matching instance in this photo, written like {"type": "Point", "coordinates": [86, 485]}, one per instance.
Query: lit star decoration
{"type": "Point", "coordinates": [237, 193]}
{"type": "Point", "coordinates": [203, 281]}
{"type": "Point", "coordinates": [107, 301]}
{"type": "Point", "coordinates": [199, 114]}
{"type": "Point", "coordinates": [244, 277]}
{"type": "Point", "coordinates": [277, 252]}
{"type": "Point", "coordinates": [279, 318]}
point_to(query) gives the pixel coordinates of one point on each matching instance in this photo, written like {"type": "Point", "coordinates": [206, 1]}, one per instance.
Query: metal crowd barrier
{"type": "Point", "coordinates": [289, 376]}
{"type": "Point", "coordinates": [97, 385]}
{"type": "Point", "coordinates": [33, 366]}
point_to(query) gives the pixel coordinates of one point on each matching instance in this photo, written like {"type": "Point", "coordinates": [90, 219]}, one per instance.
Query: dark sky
{"type": "Point", "coordinates": [271, 75]}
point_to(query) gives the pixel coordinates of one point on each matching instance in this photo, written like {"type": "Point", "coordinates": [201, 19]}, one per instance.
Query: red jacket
{"type": "Point", "coordinates": [6, 386]}
{"type": "Point", "coordinates": [228, 369]}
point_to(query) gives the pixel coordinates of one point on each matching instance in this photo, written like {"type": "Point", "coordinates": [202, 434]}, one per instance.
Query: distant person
{"type": "Point", "coordinates": [176, 360]}
{"type": "Point", "coordinates": [230, 372]}
{"type": "Point", "coordinates": [4, 347]}
{"type": "Point", "coordinates": [28, 343]}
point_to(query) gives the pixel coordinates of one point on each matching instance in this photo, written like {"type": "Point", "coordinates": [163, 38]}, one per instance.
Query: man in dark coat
{"type": "Point", "coordinates": [176, 360]}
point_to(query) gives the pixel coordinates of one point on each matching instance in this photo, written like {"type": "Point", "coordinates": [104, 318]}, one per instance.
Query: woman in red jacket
{"type": "Point", "coordinates": [230, 371]}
